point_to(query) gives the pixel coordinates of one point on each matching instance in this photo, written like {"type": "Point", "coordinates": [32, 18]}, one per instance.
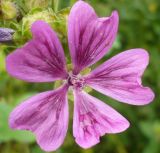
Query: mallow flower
{"type": "Point", "coordinates": [42, 59]}
{"type": "Point", "coordinates": [6, 35]}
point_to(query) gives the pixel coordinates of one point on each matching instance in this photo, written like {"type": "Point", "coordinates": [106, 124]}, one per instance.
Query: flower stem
{"type": "Point", "coordinates": [56, 5]}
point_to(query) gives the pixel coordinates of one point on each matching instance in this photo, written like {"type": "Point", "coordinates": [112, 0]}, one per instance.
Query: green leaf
{"type": "Point", "coordinates": [7, 134]}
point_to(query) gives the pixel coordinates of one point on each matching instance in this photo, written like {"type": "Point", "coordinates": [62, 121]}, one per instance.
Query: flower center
{"type": "Point", "coordinates": [76, 81]}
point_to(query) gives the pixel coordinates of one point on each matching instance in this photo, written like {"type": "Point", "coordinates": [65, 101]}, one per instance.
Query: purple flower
{"type": "Point", "coordinates": [42, 60]}
{"type": "Point", "coordinates": [6, 35]}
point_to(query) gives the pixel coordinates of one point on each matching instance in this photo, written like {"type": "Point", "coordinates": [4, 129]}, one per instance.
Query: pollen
{"type": "Point", "coordinates": [76, 81]}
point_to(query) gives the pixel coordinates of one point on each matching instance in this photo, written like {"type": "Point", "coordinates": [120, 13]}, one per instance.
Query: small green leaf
{"type": "Point", "coordinates": [7, 134]}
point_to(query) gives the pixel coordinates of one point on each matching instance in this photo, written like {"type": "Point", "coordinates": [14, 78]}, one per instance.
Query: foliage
{"type": "Point", "coordinates": [139, 28]}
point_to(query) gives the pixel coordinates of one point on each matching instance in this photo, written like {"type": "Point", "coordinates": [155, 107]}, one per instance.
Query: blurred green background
{"type": "Point", "coordinates": [139, 28]}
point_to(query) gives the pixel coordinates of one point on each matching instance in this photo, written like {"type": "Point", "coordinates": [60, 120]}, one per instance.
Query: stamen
{"type": "Point", "coordinates": [76, 81]}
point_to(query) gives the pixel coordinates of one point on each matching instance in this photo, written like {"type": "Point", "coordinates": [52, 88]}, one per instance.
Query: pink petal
{"type": "Point", "coordinates": [120, 78]}
{"type": "Point", "coordinates": [41, 59]}
{"type": "Point", "coordinates": [93, 118]}
{"type": "Point", "coordinates": [45, 114]}
{"type": "Point", "coordinates": [89, 37]}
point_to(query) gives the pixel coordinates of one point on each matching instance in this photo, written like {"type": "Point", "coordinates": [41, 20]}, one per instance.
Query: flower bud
{"type": "Point", "coordinates": [6, 35]}
{"type": "Point", "coordinates": [45, 15]}
{"type": "Point", "coordinates": [8, 9]}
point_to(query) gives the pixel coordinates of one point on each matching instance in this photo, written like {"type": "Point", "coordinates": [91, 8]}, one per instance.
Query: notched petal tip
{"type": "Point", "coordinates": [43, 115]}
{"type": "Point", "coordinates": [94, 141]}
{"type": "Point", "coordinates": [41, 59]}
{"type": "Point", "coordinates": [93, 119]}
{"type": "Point", "coordinates": [90, 39]}
{"type": "Point", "coordinates": [120, 77]}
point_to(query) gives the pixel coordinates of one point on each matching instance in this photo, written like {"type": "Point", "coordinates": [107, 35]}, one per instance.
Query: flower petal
{"type": "Point", "coordinates": [45, 114]}
{"type": "Point", "coordinates": [41, 59]}
{"type": "Point", "coordinates": [120, 77]}
{"type": "Point", "coordinates": [89, 37]}
{"type": "Point", "coordinates": [93, 118]}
